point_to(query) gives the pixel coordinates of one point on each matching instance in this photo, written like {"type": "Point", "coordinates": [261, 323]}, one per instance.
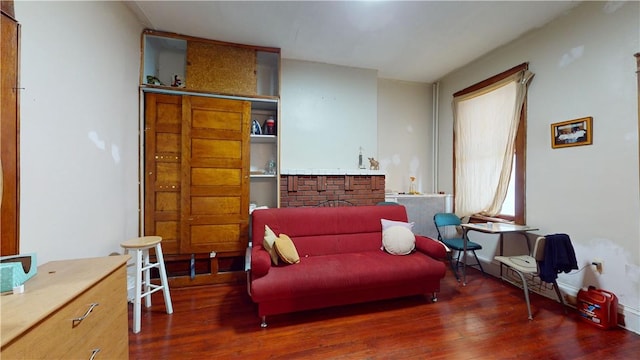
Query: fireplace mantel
{"type": "Point", "coordinates": [331, 172]}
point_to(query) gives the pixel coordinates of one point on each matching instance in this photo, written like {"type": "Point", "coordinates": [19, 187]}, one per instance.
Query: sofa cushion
{"type": "Point", "coordinates": [351, 272]}
{"type": "Point", "coordinates": [269, 244]}
{"type": "Point", "coordinates": [398, 240]}
{"type": "Point", "coordinates": [298, 222]}
{"type": "Point", "coordinates": [286, 249]}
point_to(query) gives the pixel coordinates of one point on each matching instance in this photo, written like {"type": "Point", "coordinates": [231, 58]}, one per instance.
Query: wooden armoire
{"type": "Point", "coordinates": [197, 149]}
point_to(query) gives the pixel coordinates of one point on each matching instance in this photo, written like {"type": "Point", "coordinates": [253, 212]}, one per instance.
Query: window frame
{"type": "Point", "coordinates": [520, 153]}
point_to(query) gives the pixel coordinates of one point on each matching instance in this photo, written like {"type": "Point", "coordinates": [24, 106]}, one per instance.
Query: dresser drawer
{"type": "Point", "coordinates": [74, 332]}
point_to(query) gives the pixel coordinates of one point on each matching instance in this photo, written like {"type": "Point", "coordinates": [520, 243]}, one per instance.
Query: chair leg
{"type": "Point", "coordinates": [163, 280]}
{"type": "Point", "coordinates": [458, 262]}
{"type": "Point", "coordinates": [555, 287]}
{"type": "Point", "coordinates": [147, 278]}
{"type": "Point", "coordinates": [454, 268]}
{"type": "Point", "coordinates": [525, 288]}
{"type": "Point", "coordinates": [479, 264]}
{"type": "Point", "coordinates": [137, 303]}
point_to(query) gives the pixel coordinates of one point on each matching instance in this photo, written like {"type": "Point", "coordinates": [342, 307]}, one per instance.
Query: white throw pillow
{"type": "Point", "coordinates": [398, 240]}
{"type": "Point", "coordinates": [389, 223]}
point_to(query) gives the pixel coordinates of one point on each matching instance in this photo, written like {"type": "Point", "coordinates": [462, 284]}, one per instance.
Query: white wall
{"type": "Point", "coordinates": [79, 128]}
{"type": "Point", "coordinates": [584, 66]}
{"type": "Point", "coordinates": [405, 137]}
{"type": "Point", "coordinates": [328, 112]}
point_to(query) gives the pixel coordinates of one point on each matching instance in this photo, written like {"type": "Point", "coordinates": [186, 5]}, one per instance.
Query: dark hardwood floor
{"type": "Point", "coordinates": [487, 319]}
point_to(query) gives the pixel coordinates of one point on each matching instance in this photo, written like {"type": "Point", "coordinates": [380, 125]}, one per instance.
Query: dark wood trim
{"type": "Point", "coordinates": [492, 80]}
{"type": "Point", "coordinates": [10, 135]}
{"type": "Point", "coordinates": [521, 168]}
{"type": "Point", "coordinates": [6, 6]}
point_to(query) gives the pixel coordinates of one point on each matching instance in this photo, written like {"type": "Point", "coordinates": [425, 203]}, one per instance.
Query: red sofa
{"type": "Point", "coordinates": [341, 260]}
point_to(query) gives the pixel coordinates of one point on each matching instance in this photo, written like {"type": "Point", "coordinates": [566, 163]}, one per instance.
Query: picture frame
{"type": "Point", "coordinates": [574, 132]}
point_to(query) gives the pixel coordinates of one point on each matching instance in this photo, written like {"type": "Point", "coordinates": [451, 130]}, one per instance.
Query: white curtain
{"type": "Point", "coordinates": [485, 126]}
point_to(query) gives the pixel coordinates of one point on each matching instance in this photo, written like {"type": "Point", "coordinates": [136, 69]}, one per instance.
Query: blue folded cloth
{"type": "Point", "coordinates": [559, 256]}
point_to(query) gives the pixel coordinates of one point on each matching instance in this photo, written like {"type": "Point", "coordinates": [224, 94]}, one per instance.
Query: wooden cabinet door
{"type": "Point", "coordinates": [9, 136]}
{"type": "Point", "coordinates": [197, 173]}
{"type": "Point", "coordinates": [215, 174]}
{"type": "Point", "coordinates": [162, 180]}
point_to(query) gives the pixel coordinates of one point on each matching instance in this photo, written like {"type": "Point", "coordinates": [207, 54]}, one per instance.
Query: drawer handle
{"type": "Point", "coordinates": [94, 352]}
{"type": "Point", "coordinates": [78, 320]}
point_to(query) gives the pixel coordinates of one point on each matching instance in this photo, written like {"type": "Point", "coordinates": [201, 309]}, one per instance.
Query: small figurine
{"type": "Point", "coordinates": [152, 80]}
{"type": "Point", "coordinates": [374, 164]}
{"type": "Point", "coordinates": [177, 81]}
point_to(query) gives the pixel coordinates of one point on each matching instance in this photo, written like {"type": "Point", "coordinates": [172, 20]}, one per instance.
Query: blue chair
{"type": "Point", "coordinates": [385, 203]}
{"type": "Point", "coordinates": [447, 226]}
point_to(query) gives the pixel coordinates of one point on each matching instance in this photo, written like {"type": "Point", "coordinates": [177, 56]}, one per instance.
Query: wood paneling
{"type": "Point", "coordinates": [221, 68]}
{"type": "Point", "coordinates": [7, 8]}
{"type": "Point", "coordinates": [215, 164]}
{"type": "Point", "coordinates": [9, 133]}
{"type": "Point", "coordinates": [163, 180]}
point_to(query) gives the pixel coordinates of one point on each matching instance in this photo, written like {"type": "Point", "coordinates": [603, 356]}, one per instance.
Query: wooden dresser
{"type": "Point", "coordinates": [72, 309]}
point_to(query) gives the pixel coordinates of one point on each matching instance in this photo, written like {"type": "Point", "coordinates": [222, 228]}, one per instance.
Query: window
{"type": "Point", "coordinates": [489, 146]}
{"type": "Point", "coordinates": [509, 204]}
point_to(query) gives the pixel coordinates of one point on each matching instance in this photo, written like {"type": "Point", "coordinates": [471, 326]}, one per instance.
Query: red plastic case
{"type": "Point", "coordinates": [598, 307]}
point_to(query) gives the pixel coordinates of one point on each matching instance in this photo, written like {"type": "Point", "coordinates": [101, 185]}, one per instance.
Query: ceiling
{"type": "Point", "coordinates": [405, 40]}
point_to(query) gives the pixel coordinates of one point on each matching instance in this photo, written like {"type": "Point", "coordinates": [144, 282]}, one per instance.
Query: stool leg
{"type": "Point", "coordinates": [163, 279]}
{"type": "Point", "coordinates": [138, 291]}
{"type": "Point", "coordinates": [147, 279]}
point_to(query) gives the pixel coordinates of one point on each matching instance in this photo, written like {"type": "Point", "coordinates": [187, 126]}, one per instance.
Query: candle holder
{"type": "Point", "coordinates": [412, 186]}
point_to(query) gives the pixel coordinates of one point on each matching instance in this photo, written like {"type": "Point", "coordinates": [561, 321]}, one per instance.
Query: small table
{"type": "Point", "coordinates": [491, 228]}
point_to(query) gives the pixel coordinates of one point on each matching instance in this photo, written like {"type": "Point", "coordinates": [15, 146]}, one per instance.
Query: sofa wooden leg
{"type": "Point", "coordinates": [434, 297]}
{"type": "Point", "coordinates": [264, 322]}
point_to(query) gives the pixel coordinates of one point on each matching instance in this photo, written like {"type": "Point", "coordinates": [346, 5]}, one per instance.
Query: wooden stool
{"type": "Point", "coordinates": [143, 286]}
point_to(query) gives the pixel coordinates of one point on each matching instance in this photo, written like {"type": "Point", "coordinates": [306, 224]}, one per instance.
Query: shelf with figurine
{"type": "Point", "coordinates": [176, 61]}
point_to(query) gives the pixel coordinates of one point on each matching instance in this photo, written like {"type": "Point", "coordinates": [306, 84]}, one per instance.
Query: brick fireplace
{"type": "Point", "coordinates": [312, 189]}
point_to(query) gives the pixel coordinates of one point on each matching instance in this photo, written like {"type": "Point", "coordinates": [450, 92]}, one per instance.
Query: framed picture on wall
{"type": "Point", "coordinates": [572, 133]}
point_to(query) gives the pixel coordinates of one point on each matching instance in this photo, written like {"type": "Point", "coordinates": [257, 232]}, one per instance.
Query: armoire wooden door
{"type": "Point", "coordinates": [9, 132]}
{"type": "Point", "coordinates": [197, 173]}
